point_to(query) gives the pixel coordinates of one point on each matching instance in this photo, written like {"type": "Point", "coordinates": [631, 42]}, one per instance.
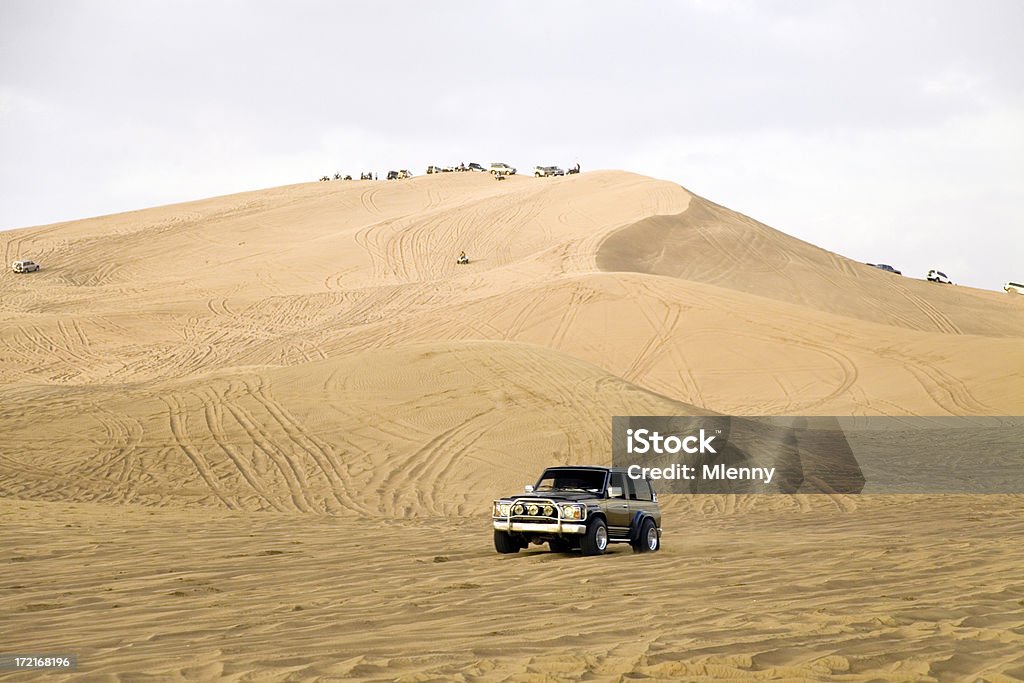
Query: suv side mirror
{"type": "Point", "coordinates": [528, 488]}
{"type": "Point", "coordinates": [615, 492]}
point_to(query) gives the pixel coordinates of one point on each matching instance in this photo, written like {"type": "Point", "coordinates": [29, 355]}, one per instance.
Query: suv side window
{"type": "Point", "coordinates": [643, 489]}
{"type": "Point", "coordinates": [617, 480]}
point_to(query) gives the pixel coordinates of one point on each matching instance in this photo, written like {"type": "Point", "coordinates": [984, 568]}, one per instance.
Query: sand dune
{"type": "Point", "coordinates": [307, 366]}
{"type": "Point", "coordinates": [711, 244]}
{"type": "Point", "coordinates": [430, 429]}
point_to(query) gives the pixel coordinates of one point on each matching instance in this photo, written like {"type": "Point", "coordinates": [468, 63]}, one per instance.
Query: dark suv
{"type": "Point", "coordinates": [583, 508]}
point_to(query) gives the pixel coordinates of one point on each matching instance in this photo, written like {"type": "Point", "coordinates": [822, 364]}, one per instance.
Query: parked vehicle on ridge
{"type": "Point", "coordinates": [547, 171]}
{"type": "Point", "coordinates": [498, 168]}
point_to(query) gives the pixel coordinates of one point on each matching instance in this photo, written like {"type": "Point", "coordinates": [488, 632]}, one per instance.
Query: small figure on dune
{"type": "Point", "coordinates": [463, 259]}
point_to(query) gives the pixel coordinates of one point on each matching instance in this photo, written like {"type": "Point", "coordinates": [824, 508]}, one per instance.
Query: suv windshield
{"type": "Point", "coordinates": [589, 481]}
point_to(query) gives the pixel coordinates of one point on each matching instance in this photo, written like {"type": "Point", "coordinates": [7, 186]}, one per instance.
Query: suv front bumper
{"type": "Point", "coordinates": [558, 527]}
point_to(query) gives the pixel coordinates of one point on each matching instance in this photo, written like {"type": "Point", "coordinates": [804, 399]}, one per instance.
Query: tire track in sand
{"type": "Point", "coordinates": [941, 321]}
{"type": "Point", "coordinates": [428, 464]}
{"type": "Point", "coordinates": [286, 464]}
{"type": "Point", "coordinates": [213, 409]}
{"type": "Point", "coordinates": [178, 420]}
{"type": "Point", "coordinates": [321, 453]}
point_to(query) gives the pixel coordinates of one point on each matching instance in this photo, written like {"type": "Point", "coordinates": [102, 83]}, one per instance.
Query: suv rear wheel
{"type": "Point", "coordinates": [595, 541]}
{"type": "Point", "coordinates": [647, 540]}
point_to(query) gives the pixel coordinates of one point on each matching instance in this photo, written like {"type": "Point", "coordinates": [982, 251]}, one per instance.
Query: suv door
{"type": "Point", "coordinates": [641, 499]}
{"type": "Point", "coordinates": [617, 509]}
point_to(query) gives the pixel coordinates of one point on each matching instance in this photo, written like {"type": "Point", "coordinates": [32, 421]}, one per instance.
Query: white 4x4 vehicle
{"type": "Point", "coordinates": [1014, 288]}
{"type": "Point", "coordinates": [939, 276]}
{"type": "Point", "coordinates": [502, 169]}
{"type": "Point", "coordinates": [547, 171]}
{"type": "Point", "coordinates": [24, 266]}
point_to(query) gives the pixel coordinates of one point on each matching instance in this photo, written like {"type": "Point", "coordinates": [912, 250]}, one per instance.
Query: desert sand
{"type": "Point", "coordinates": [256, 437]}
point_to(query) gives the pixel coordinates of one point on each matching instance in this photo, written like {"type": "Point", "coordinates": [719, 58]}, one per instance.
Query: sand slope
{"type": "Point", "coordinates": [308, 364]}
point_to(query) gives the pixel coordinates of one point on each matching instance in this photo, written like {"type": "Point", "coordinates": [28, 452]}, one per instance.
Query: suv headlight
{"type": "Point", "coordinates": [501, 509]}
{"type": "Point", "coordinates": [572, 511]}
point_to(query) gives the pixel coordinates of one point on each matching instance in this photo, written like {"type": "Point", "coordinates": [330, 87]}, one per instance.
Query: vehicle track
{"type": "Point", "coordinates": [949, 393]}
{"type": "Point", "coordinates": [290, 470]}
{"type": "Point", "coordinates": [368, 199]}
{"type": "Point", "coordinates": [941, 321]}
{"type": "Point", "coordinates": [327, 461]}
{"type": "Point", "coordinates": [659, 343]}
{"type": "Point", "coordinates": [576, 299]}
{"type": "Point", "coordinates": [178, 421]}
{"type": "Point", "coordinates": [430, 462]}
{"type": "Point", "coordinates": [213, 409]}
{"type": "Point", "coordinates": [122, 437]}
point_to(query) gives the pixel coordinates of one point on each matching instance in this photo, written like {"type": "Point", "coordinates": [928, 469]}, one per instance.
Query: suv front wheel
{"type": "Point", "coordinates": [595, 541]}
{"type": "Point", "coordinates": [504, 542]}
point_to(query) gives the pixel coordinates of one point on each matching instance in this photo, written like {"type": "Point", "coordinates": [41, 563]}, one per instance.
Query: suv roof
{"type": "Point", "coordinates": [600, 468]}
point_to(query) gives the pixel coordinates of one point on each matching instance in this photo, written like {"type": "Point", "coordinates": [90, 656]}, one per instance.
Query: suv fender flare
{"type": "Point", "coordinates": [637, 522]}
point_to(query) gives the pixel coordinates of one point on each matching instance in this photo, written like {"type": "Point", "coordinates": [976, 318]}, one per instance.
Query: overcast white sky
{"type": "Point", "coordinates": [886, 131]}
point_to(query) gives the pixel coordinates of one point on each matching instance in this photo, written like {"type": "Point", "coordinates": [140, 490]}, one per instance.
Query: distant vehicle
{"type": "Point", "coordinates": [939, 276]}
{"type": "Point", "coordinates": [24, 266]}
{"type": "Point", "coordinates": [1014, 288]}
{"type": "Point", "coordinates": [547, 171]}
{"type": "Point", "coordinates": [887, 268]}
{"type": "Point", "coordinates": [433, 169]}
{"type": "Point", "coordinates": [476, 168]}
{"type": "Point", "coordinates": [502, 169]}
{"type": "Point", "coordinates": [399, 175]}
